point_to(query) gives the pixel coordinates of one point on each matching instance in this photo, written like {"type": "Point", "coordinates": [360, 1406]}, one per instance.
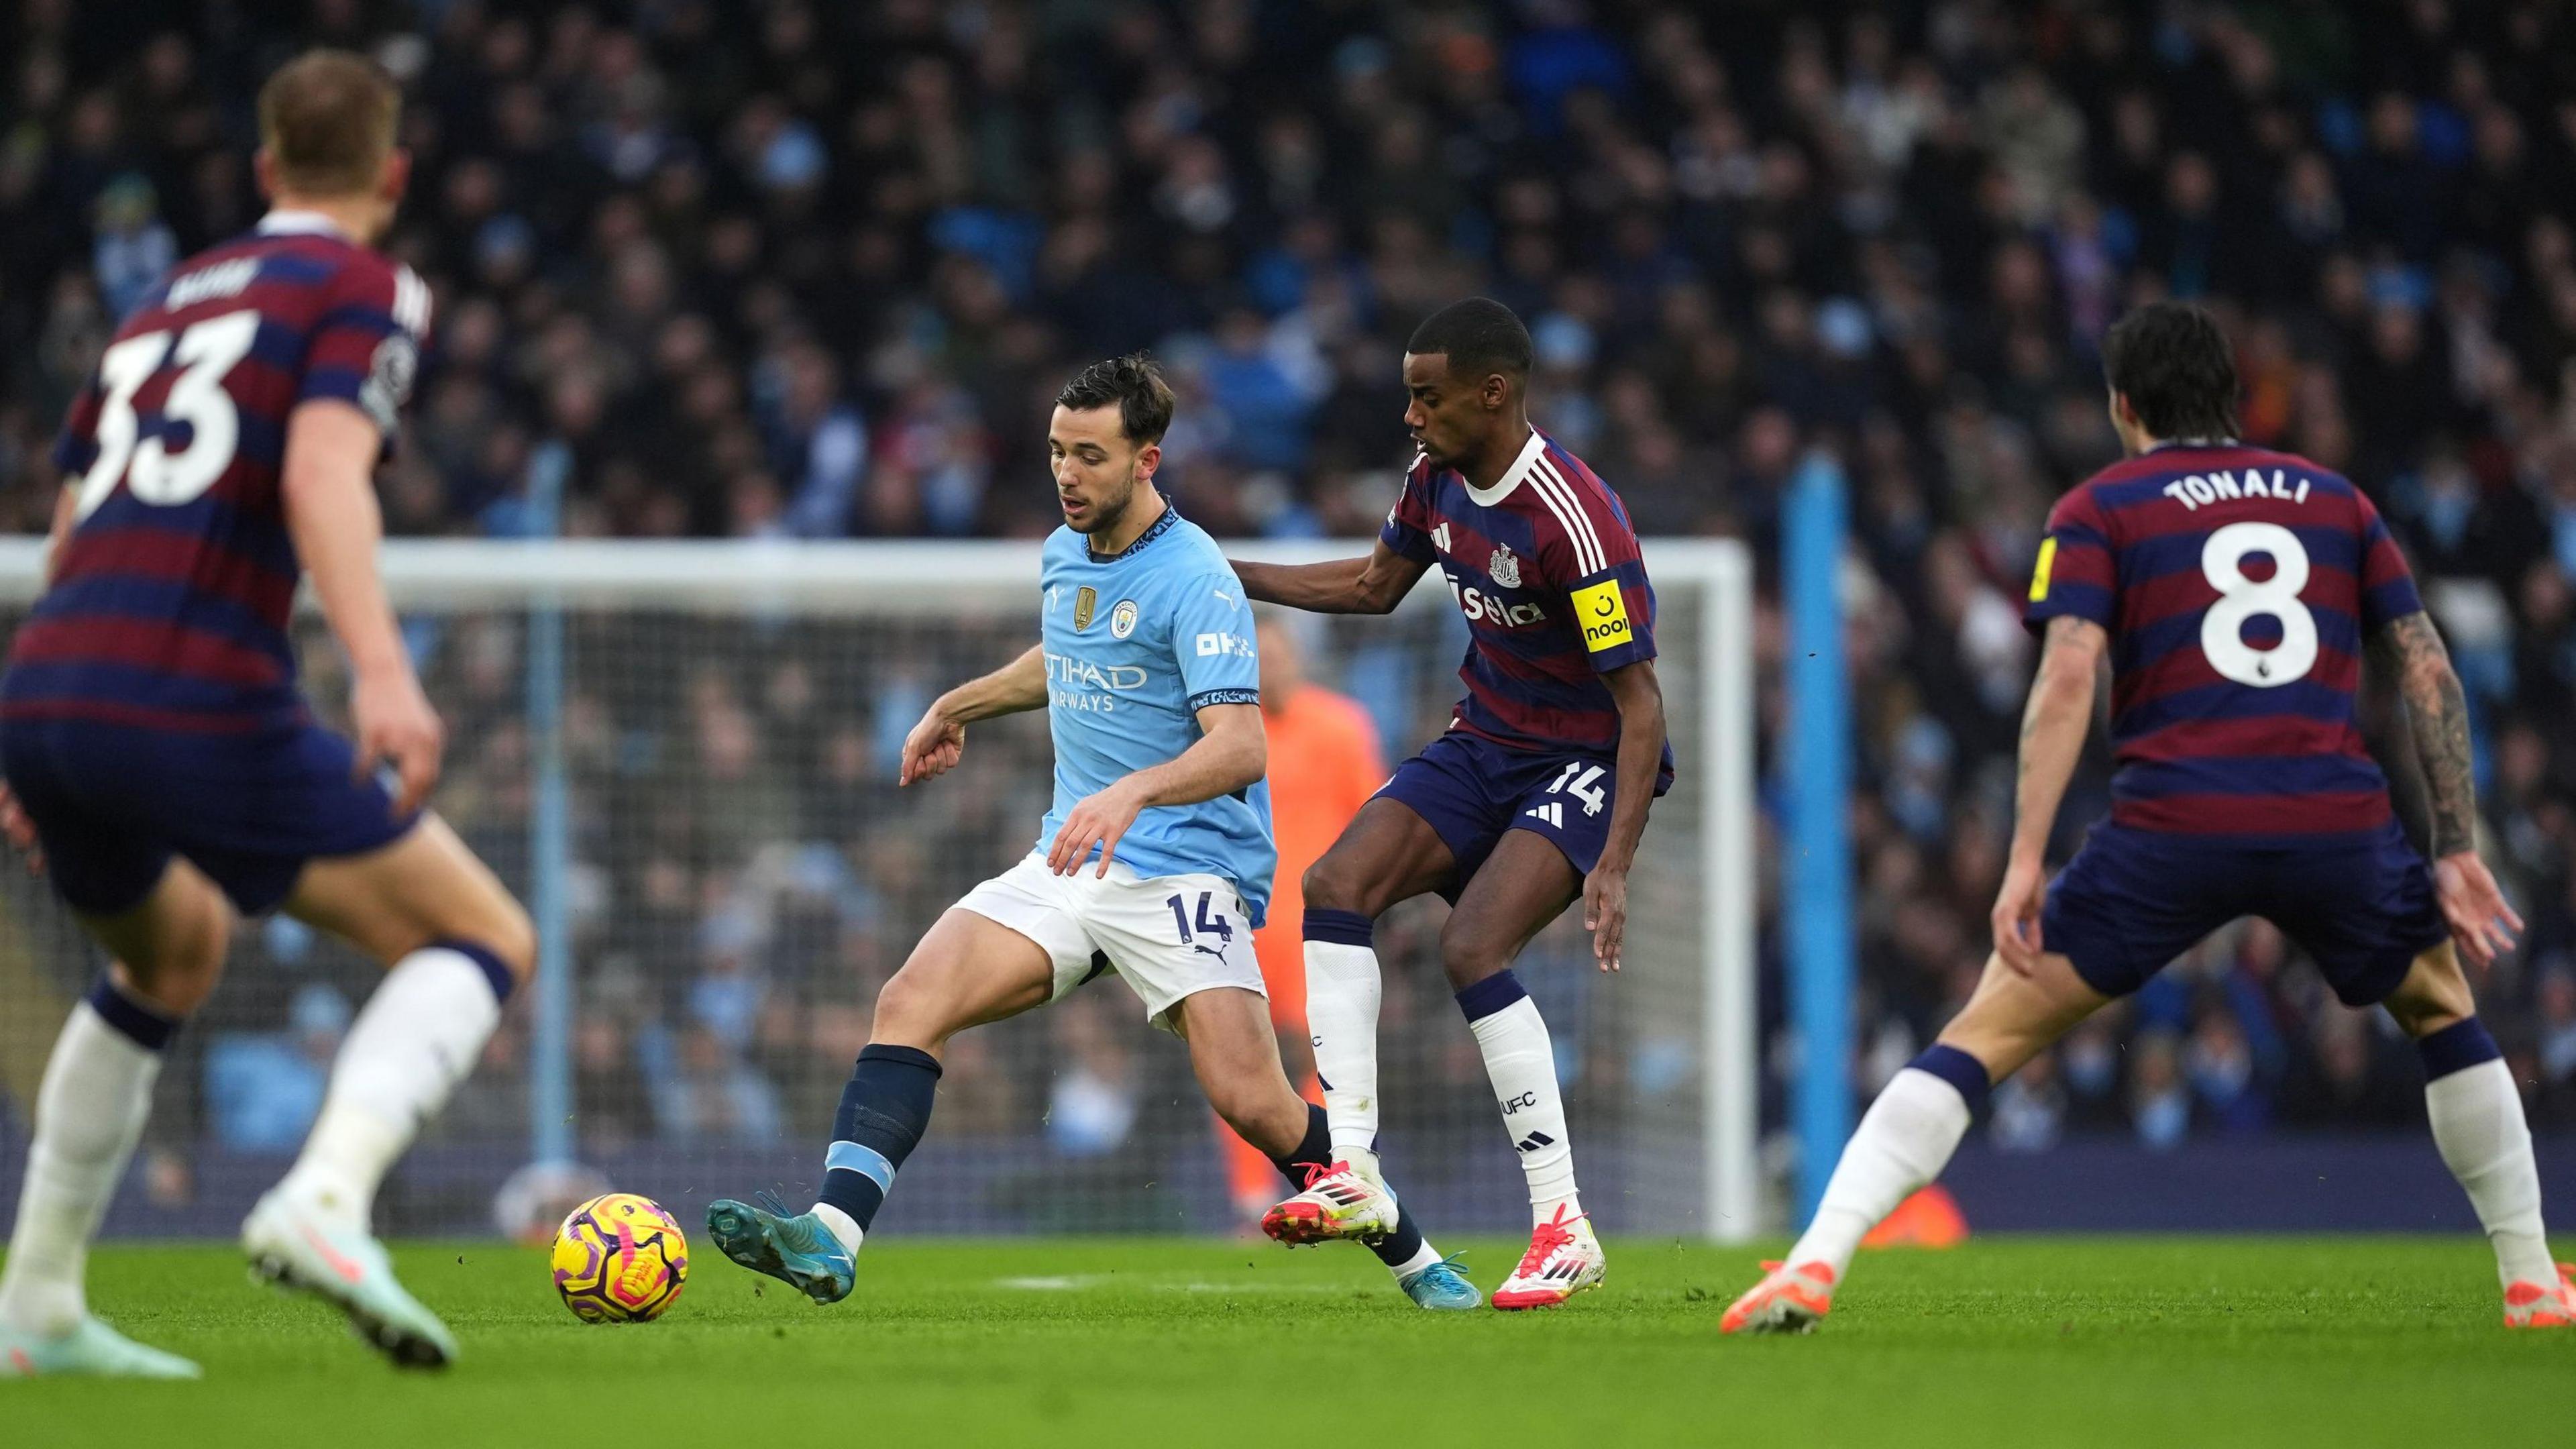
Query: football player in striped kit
{"type": "Point", "coordinates": [2233, 591]}
{"type": "Point", "coordinates": [1537, 793]}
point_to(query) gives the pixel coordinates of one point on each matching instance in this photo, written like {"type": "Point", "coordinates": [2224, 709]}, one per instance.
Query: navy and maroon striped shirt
{"type": "Point", "coordinates": [170, 599]}
{"type": "Point", "coordinates": [1545, 566]}
{"type": "Point", "coordinates": [2238, 586]}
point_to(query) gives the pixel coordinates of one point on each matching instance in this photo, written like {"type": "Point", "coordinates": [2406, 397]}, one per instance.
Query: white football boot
{"type": "Point", "coordinates": [90, 1350]}
{"type": "Point", "coordinates": [1564, 1258]}
{"type": "Point", "coordinates": [297, 1244]}
{"type": "Point", "coordinates": [1340, 1202]}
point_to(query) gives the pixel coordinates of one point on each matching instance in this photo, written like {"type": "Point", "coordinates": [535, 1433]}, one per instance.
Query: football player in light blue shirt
{"type": "Point", "coordinates": [1148, 652]}
{"type": "Point", "coordinates": [1155, 861]}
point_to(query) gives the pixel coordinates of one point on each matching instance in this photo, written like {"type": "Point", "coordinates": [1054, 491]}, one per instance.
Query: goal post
{"type": "Point", "coordinates": [680, 754]}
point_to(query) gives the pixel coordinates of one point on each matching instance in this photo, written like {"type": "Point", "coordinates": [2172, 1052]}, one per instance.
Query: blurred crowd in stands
{"type": "Point", "coordinates": [814, 270]}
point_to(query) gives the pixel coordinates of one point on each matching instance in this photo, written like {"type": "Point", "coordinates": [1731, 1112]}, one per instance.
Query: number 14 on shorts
{"type": "Point", "coordinates": [1583, 782]}
{"type": "Point", "coordinates": [1216, 925]}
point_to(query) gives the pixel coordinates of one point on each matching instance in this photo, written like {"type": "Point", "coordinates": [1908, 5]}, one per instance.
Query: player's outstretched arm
{"type": "Point", "coordinates": [2438, 711]}
{"type": "Point", "coordinates": [1372, 585]}
{"type": "Point", "coordinates": [329, 488]}
{"type": "Point", "coordinates": [2053, 726]}
{"type": "Point", "coordinates": [937, 742]}
{"type": "Point", "coordinates": [1640, 697]}
{"type": "Point", "coordinates": [1232, 753]}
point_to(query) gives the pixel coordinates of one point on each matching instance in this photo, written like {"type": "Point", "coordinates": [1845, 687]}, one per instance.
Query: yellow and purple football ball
{"type": "Point", "coordinates": [620, 1259]}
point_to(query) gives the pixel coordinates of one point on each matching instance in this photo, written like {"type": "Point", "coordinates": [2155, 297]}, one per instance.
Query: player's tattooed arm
{"type": "Point", "coordinates": [2482, 923]}
{"type": "Point", "coordinates": [2054, 723]}
{"type": "Point", "coordinates": [939, 739]}
{"type": "Point", "coordinates": [2439, 713]}
{"type": "Point", "coordinates": [2053, 726]}
{"type": "Point", "coordinates": [1372, 585]}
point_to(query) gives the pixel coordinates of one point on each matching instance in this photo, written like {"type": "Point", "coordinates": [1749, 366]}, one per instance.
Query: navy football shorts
{"type": "Point", "coordinates": [1471, 790]}
{"type": "Point", "coordinates": [113, 803]}
{"type": "Point", "coordinates": [2133, 900]}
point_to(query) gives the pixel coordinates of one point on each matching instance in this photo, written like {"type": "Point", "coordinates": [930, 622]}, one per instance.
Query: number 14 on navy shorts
{"type": "Point", "coordinates": [1471, 790]}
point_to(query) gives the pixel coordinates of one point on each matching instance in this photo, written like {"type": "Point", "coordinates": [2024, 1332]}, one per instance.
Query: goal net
{"type": "Point", "coordinates": [682, 755]}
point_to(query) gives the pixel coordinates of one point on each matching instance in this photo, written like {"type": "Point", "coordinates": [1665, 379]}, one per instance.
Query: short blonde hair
{"type": "Point", "coordinates": [327, 120]}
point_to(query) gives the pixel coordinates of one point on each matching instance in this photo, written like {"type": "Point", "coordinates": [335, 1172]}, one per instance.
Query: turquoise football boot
{"type": "Point", "coordinates": [797, 1251]}
{"type": "Point", "coordinates": [91, 1350]}
{"type": "Point", "coordinates": [1442, 1287]}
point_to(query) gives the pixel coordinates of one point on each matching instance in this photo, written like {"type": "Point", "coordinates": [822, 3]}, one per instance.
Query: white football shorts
{"type": "Point", "coordinates": [1169, 936]}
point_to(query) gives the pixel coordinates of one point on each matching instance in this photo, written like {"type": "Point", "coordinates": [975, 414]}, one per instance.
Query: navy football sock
{"type": "Point", "coordinates": [884, 1110]}
{"type": "Point", "coordinates": [1396, 1248]}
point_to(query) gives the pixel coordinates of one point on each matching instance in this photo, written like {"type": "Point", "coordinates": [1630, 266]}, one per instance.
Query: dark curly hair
{"type": "Point", "coordinates": [1135, 384]}
{"type": "Point", "coordinates": [2172, 361]}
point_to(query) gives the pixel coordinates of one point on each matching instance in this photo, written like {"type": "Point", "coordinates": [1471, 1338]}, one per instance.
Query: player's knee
{"type": "Point", "coordinates": [2434, 995]}
{"type": "Point", "coordinates": [176, 981]}
{"type": "Point", "coordinates": [1330, 886]}
{"type": "Point", "coordinates": [502, 932]}
{"type": "Point", "coordinates": [1469, 954]}
{"type": "Point", "coordinates": [184, 961]}
{"type": "Point", "coordinates": [1343, 882]}
{"type": "Point", "coordinates": [910, 1011]}
{"type": "Point", "coordinates": [512, 936]}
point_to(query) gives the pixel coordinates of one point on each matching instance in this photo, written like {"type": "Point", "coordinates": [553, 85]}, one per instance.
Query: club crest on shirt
{"type": "Point", "coordinates": [1086, 600]}
{"type": "Point", "coordinates": [1505, 568]}
{"type": "Point", "coordinates": [1122, 620]}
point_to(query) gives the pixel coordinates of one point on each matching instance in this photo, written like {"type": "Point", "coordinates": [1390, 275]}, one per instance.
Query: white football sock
{"type": "Point", "coordinates": [844, 1227]}
{"type": "Point", "coordinates": [417, 1038]}
{"type": "Point", "coordinates": [1521, 1062]}
{"type": "Point", "coordinates": [1342, 992]}
{"type": "Point", "coordinates": [1903, 1142]}
{"type": "Point", "coordinates": [1423, 1257]}
{"type": "Point", "coordinates": [2478, 1125]}
{"type": "Point", "coordinates": [89, 1115]}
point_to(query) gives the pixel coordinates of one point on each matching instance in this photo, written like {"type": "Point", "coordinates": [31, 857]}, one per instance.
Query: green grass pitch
{"type": "Point", "coordinates": [2094, 1341]}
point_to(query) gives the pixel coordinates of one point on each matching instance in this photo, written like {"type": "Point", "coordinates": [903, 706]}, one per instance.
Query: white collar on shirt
{"type": "Point", "coordinates": [1512, 476]}
{"type": "Point", "coordinates": [299, 223]}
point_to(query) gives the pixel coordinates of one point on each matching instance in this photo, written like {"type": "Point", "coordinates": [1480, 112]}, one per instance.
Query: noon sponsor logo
{"type": "Point", "coordinates": [1603, 615]}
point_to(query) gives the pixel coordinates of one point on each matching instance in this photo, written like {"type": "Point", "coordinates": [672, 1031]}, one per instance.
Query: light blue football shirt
{"type": "Point", "coordinates": [1136, 645]}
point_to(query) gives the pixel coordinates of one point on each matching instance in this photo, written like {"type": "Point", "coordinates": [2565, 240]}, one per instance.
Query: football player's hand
{"type": "Point", "coordinates": [2016, 916]}
{"type": "Point", "coordinates": [1101, 819]}
{"type": "Point", "coordinates": [20, 830]}
{"type": "Point", "coordinates": [932, 748]}
{"type": "Point", "coordinates": [1605, 913]}
{"type": "Point", "coordinates": [2481, 922]}
{"type": "Point", "coordinates": [395, 723]}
